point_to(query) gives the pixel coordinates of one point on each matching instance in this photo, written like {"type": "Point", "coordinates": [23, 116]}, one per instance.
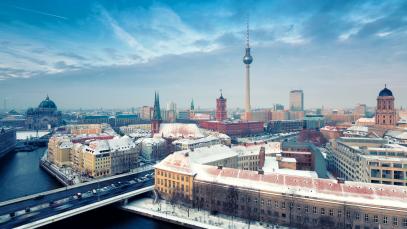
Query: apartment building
{"type": "Point", "coordinates": [368, 160]}
{"type": "Point", "coordinates": [59, 151]}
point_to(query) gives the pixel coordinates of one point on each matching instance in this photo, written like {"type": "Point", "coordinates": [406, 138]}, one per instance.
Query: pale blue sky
{"type": "Point", "coordinates": [115, 54]}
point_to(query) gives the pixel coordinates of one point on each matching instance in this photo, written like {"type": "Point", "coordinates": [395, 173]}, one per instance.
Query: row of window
{"type": "Point", "coordinates": [172, 184]}
{"type": "Point", "coordinates": [315, 210]}
{"type": "Point", "coordinates": [173, 175]}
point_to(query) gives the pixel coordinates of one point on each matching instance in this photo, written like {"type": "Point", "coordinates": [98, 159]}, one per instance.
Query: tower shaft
{"type": "Point", "coordinates": [247, 106]}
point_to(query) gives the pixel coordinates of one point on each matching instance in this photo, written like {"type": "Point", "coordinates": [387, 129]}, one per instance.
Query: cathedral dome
{"type": "Point", "coordinates": [385, 92]}
{"type": "Point", "coordinates": [47, 103]}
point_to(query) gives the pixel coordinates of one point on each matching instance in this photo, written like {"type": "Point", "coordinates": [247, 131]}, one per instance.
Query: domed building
{"type": "Point", "coordinates": [385, 111]}
{"type": "Point", "coordinates": [45, 116]}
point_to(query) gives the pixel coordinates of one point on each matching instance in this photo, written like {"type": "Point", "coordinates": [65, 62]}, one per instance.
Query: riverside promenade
{"type": "Point", "coordinates": [189, 217]}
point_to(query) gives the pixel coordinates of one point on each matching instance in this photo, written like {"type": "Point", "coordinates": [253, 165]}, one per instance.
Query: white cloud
{"type": "Point", "coordinates": [384, 34]}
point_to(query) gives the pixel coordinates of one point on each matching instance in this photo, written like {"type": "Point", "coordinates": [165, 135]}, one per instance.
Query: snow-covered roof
{"type": "Point", "coordinates": [364, 120]}
{"type": "Point", "coordinates": [329, 128]}
{"type": "Point", "coordinates": [121, 143]}
{"type": "Point", "coordinates": [178, 163]}
{"type": "Point", "coordinates": [289, 159]}
{"type": "Point", "coordinates": [397, 134]}
{"type": "Point", "coordinates": [99, 146]}
{"type": "Point", "coordinates": [270, 148]}
{"type": "Point", "coordinates": [140, 134]}
{"type": "Point", "coordinates": [179, 130]}
{"type": "Point", "coordinates": [150, 141]}
{"type": "Point", "coordinates": [271, 166]}
{"type": "Point", "coordinates": [65, 145]}
{"type": "Point", "coordinates": [206, 155]}
{"type": "Point", "coordinates": [324, 189]}
{"type": "Point", "coordinates": [115, 144]}
{"type": "Point", "coordinates": [358, 128]}
{"type": "Point", "coordinates": [195, 141]}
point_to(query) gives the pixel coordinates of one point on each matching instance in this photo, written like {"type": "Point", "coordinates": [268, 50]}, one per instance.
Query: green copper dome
{"type": "Point", "coordinates": [47, 103]}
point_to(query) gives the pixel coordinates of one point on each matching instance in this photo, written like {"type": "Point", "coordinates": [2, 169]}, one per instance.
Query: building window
{"type": "Point", "coordinates": [404, 222]}
{"type": "Point", "coordinates": [357, 216]}
{"type": "Point", "coordinates": [375, 219]}
{"type": "Point", "coordinates": [268, 202]}
{"type": "Point", "coordinates": [262, 201]}
{"type": "Point", "coordinates": [276, 204]}
{"type": "Point", "coordinates": [331, 212]}
{"type": "Point", "coordinates": [348, 214]}
{"type": "Point", "coordinates": [306, 208]}
{"type": "Point", "coordinates": [299, 207]}
{"type": "Point", "coordinates": [339, 213]}
{"type": "Point", "coordinates": [314, 210]}
{"type": "Point", "coordinates": [395, 221]}
{"type": "Point", "coordinates": [283, 205]}
{"type": "Point", "coordinates": [385, 219]}
{"type": "Point", "coordinates": [366, 218]}
{"type": "Point", "coordinates": [322, 211]}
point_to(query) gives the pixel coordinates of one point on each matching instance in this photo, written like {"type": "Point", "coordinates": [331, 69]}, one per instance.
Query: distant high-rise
{"type": "Point", "coordinates": [296, 100]}
{"type": "Point", "coordinates": [156, 120]}
{"type": "Point", "coordinates": [146, 112]}
{"type": "Point", "coordinates": [221, 108]}
{"type": "Point", "coordinates": [385, 110]}
{"type": "Point", "coordinates": [171, 106]}
{"type": "Point", "coordinates": [171, 112]}
{"type": "Point", "coordinates": [360, 110]}
{"type": "Point", "coordinates": [247, 60]}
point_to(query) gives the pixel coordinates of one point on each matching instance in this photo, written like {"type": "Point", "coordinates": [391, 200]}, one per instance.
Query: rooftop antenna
{"type": "Point", "coordinates": [247, 31]}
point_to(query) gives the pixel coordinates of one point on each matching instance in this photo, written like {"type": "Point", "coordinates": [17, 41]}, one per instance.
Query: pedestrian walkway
{"type": "Point", "coordinates": [189, 216]}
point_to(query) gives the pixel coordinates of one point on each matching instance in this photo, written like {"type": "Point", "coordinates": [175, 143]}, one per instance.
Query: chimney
{"type": "Point", "coordinates": [220, 167]}
{"type": "Point", "coordinates": [278, 157]}
{"type": "Point", "coordinates": [340, 180]}
{"type": "Point", "coordinates": [261, 172]}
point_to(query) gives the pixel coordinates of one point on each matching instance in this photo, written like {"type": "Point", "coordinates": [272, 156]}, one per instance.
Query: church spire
{"type": "Point", "coordinates": [157, 111]}
{"type": "Point", "coordinates": [192, 105]}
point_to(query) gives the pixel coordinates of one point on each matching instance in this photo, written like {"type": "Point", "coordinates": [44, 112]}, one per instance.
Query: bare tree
{"type": "Point", "coordinates": [232, 198]}
{"type": "Point", "coordinates": [326, 222]}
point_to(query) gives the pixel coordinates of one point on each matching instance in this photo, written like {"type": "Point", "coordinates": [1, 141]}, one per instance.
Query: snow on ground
{"type": "Point", "coordinates": [191, 216]}
{"type": "Point", "coordinates": [24, 135]}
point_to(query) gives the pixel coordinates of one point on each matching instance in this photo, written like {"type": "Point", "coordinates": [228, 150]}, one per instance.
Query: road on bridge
{"type": "Point", "coordinates": [21, 211]}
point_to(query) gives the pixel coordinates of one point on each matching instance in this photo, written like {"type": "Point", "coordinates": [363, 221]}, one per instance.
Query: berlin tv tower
{"type": "Point", "coordinates": [247, 60]}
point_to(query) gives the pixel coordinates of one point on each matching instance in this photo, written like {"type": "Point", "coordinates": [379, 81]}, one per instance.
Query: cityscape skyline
{"type": "Point", "coordinates": [186, 56]}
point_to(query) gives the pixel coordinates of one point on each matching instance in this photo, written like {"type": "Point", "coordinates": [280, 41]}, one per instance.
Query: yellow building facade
{"type": "Point", "coordinates": [96, 164]}
{"type": "Point", "coordinates": [59, 151]}
{"type": "Point", "coordinates": [174, 178]}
